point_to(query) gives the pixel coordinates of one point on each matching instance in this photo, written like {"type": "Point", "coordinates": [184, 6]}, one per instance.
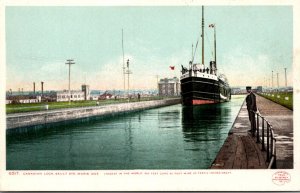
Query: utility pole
{"type": "Point", "coordinates": [272, 80]}
{"type": "Point", "coordinates": [285, 77]}
{"type": "Point", "coordinates": [128, 72]}
{"type": "Point", "coordinates": [124, 72]}
{"type": "Point", "coordinates": [19, 95]}
{"type": "Point", "coordinates": [277, 81]}
{"type": "Point", "coordinates": [70, 62]}
{"type": "Point", "coordinates": [157, 84]}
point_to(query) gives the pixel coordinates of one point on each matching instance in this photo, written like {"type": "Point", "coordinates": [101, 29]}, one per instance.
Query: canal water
{"type": "Point", "coordinates": [172, 137]}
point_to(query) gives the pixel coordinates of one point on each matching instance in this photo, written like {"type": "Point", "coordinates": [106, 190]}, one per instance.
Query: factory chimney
{"type": "Point", "coordinates": [33, 87]}
{"type": "Point", "coordinates": [42, 83]}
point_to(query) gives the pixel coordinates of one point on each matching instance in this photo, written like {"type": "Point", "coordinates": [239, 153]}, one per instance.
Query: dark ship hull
{"type": "Point", "coordinates": [201, 90]}
{"type": "Point", "coordinates": [199, 83]}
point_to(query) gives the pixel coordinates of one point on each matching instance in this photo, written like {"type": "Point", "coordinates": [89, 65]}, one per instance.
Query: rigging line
{"type": "Point", "coordinates": [195, 51]}
{"type": "Point", "coordinates": [212, 55]}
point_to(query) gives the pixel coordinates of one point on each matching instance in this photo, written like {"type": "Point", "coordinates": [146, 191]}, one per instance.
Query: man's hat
{"type": "Point", "coordinates": [248, 87]}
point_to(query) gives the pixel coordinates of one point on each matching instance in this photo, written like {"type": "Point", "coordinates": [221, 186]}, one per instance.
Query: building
{"type": "Point", "coordinates": [236, 90]}
{"type": "Point", "coordinates": [75, 96]}
{"type": "Point", "coordinates": [259, 89]}
{"type": "Point", "coordinates": [84, 94]}
{"type": "Point", "coordinates": [31, 98]}
{"type": "Point", "coordinates": [86, 90]}
{"type": "Point", "coordinates": [17, 99]}
{"type": "Point", "coordinates": [106, 95]}
{"type": "Point", "coordinates": [169, 87]}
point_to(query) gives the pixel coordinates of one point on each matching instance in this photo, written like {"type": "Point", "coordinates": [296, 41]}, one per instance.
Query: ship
{"type": "Point", "coordinates": [201, 84]}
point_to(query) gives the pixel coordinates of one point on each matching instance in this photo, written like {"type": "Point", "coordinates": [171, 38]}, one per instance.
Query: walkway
{"type": "Point", "coordinates": [281, 119]}
{"type": "Point", "coordinates": [240, 150]}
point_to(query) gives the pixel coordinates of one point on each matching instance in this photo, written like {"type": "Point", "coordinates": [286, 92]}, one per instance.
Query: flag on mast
{"type": "Point", "coordinates": [172, 67]}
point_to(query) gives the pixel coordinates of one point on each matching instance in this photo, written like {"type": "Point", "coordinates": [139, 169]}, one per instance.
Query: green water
{"type": "Point", "coordinates": [173, 137]}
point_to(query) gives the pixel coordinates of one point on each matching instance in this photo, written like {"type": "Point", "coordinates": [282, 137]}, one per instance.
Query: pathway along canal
{"type": "Point", "coordinates": [172, 137]}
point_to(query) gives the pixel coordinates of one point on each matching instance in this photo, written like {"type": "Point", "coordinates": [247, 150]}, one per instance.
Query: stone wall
{"type": "Point", "coordinates": [53, 116]}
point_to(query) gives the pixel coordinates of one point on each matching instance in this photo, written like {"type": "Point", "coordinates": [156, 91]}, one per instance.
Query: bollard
{"type": "Point", "coordinates": [46, 107]}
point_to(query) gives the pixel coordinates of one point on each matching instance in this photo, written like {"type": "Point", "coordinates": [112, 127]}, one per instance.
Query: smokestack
{"type": "Point", "coordinates": [42, 83]}
{"type": "Point", "coordinates": [33, 87]}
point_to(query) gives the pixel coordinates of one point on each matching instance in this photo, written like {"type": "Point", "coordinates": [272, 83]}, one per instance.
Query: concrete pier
{"type": "Point", "coordinates": [18, 120]}
{"type": "Point", "coordinates": [240, 150]}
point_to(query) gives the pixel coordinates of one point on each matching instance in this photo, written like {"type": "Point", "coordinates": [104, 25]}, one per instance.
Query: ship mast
{"type": "Point", "coordinates": [215, 44]}
{"type": "Point", "coordinates": [202, 35]}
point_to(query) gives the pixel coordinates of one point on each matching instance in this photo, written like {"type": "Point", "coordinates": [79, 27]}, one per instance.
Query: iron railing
{"type": "Point", "coordinates": [265, 136]}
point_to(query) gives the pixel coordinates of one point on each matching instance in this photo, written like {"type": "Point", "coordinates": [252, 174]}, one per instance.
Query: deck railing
{"type": "Point", "coordinates": [265, 136]}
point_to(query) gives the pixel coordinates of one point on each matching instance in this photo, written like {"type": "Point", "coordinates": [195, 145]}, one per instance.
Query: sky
{"type": "Point", "coordinates": [251, 42]}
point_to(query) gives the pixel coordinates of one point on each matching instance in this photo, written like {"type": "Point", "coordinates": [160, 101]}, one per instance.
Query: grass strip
{"type": "Point", "coordinates": [283, 98]}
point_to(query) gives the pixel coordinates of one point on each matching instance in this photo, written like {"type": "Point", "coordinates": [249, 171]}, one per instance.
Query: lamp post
{"type": "Point", "coordinates": [128, 79]}
{"type": "Point", "coordinates": [272, 79]}
{"type": "Point", "coordinates": [277, 82]}
{"type": "Point", "coordinates": [285, 77]}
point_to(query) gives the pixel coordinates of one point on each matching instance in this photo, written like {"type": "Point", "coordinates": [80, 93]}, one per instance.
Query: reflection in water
{"type": "Point", "coordinates": [206, 127]}
{"type": "Point", "coordinates": [166, 119]}
{"type": "Point", "coordinates": [202, 118]}
{"type": "Point", "coordinates": [172, 137]}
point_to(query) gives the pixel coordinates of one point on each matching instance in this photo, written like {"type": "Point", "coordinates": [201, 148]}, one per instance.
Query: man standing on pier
{"type": "Point", "coordinates": [251, 107]}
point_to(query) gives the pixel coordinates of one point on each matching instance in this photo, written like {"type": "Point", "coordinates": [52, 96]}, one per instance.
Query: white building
{"type": "Point", "coordinates": [23, 99]}
{"type": "Point", "coordinates": [75, 96]}
{"type": "Point", "coordinates": [94, 97]}
{"type": "Point", "coordinates": [29, 100]}
{"type": "Point", "coordinates": [169, 87]}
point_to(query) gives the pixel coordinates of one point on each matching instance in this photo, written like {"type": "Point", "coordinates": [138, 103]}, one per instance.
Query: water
{"type": "Point", "coordinates": [172, 137]}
